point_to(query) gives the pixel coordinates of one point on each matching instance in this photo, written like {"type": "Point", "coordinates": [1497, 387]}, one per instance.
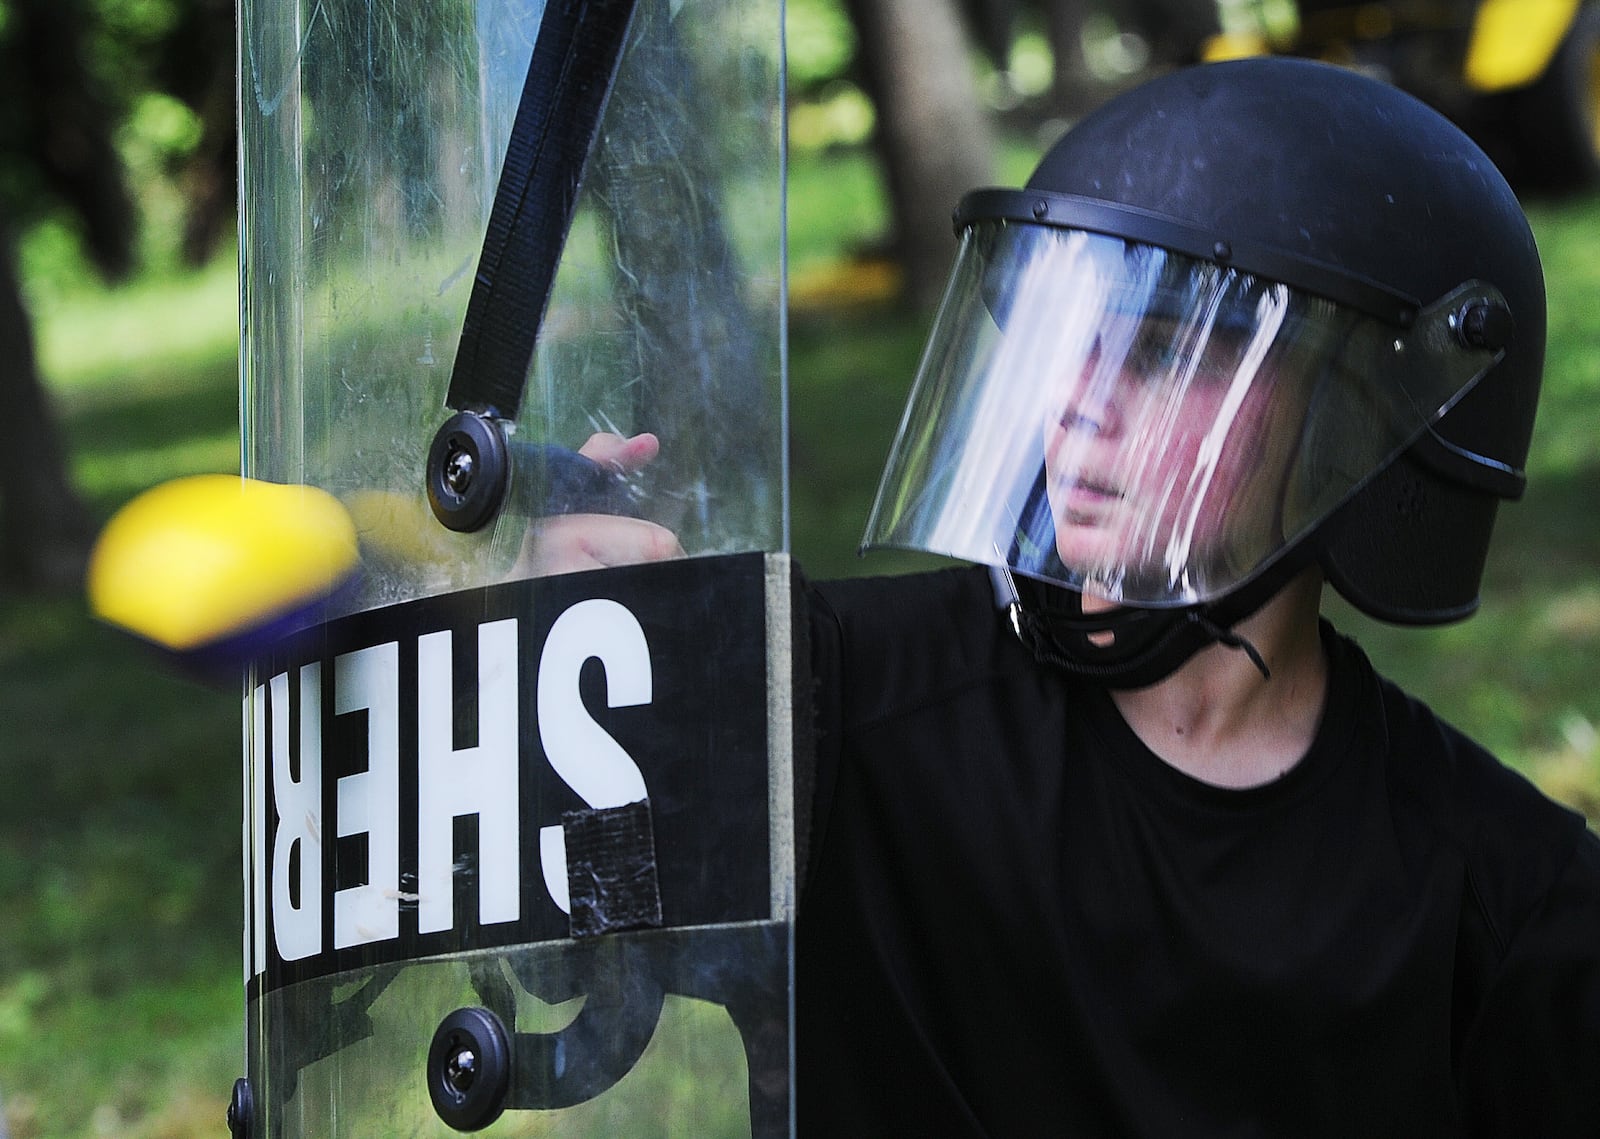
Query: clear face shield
{"type": "Point", "coordinates": [1146, 426]}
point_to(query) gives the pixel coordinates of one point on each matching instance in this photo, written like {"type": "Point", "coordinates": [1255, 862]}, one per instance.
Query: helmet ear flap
{"type": "Point", "coordinates": [1411, 546]}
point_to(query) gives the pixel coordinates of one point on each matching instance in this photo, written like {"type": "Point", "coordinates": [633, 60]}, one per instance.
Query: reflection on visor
{"type": "Point", "coordinates": [1150, 427]}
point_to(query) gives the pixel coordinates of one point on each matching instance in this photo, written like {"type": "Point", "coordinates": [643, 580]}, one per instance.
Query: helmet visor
{"type": "Point", "coordinates": [1147, 426]}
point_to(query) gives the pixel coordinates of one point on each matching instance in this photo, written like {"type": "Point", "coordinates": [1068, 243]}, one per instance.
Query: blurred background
{"type": "Point", "coordinates": [120, 897]}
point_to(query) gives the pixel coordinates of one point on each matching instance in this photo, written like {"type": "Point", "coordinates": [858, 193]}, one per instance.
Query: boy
{"type": "Point", "coordinates": [1116, 837]}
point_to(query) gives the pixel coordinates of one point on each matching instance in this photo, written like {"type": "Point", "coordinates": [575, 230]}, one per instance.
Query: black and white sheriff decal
{"type": "Point", "coordinates": [571, 789]}
{"type": "Point", "coordinates": [421, 772]}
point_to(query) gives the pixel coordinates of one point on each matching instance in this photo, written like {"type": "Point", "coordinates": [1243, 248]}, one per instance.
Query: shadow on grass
{"type": "Point", "coordinates": [1550, 540]}
{"type": "Point", "coordinates": [119, 870]}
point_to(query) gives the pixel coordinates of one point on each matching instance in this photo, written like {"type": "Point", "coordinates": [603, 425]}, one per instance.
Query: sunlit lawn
{"type": "Point", "coordinates": [119, 785]}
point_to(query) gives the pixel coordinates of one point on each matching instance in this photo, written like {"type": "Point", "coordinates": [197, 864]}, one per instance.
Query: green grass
{"type": "Point", "coordinates": [120, 1002]}
{"type": "Point", "coordinates": [146, 379]}
{"type": "Point", "coordinates": [120, 903]}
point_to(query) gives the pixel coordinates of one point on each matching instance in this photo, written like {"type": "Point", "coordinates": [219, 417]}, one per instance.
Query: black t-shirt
{"type": "Point", "coordinates": [1017, 920]}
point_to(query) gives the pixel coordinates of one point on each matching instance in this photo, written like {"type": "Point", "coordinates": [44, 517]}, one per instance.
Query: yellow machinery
{"type": "Point", "coordinates": [1523, 76]}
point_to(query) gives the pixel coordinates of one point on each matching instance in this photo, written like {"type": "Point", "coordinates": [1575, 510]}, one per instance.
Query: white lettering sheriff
{"type": "Point", "coordinates": [301, 795]}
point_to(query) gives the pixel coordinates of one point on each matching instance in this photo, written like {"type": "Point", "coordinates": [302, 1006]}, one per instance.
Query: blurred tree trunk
{"type": "Point", "coordinates": [1075, 88]}
{"type": "Point", "coordinates": [196, 65]}
{"type": "Point", "coordinates": [60, 125]}
{"type": "Point", "coordinates": [933, 134]}
{"type": "Point", "coordinates": [1175, 30]}
{"type": "Point", "coordinates": [65, 125]}
{"type": "Point", "coordinates": [44, 528]}
{"type": "Point", "coordinates": [993, 24]}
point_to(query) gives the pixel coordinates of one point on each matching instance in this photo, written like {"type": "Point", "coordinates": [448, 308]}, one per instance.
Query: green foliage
{"type": "Point", "coordinates": [835, 208]}
{"type": "Point", "coordinates": [97, 96]}
{"type": "Point", "coordinates": [827, 107]}
{"type": "Point", "coordinates": [819, 42]}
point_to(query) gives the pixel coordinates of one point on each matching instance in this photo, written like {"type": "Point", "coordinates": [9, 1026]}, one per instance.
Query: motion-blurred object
{"type": "Point", "coordinates": [208, 567]}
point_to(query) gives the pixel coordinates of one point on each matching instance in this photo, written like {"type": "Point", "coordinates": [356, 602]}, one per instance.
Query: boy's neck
{"type": "Point", "coordinates": [1219, 720]}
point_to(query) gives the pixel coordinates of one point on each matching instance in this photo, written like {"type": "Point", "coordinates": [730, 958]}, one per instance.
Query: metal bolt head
{"type": "Point", "coordinates": [467, 472]}
{"type": "Point", "coordinates": [1484, 324]}
{"type": "Point", "coordinates": [461, 1068]}
{"type": "Point", "coordinates": [458, 469]}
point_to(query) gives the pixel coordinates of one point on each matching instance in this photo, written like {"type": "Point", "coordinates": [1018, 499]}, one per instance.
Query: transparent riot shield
{"type": "Point", "coordinates": [519, 849]}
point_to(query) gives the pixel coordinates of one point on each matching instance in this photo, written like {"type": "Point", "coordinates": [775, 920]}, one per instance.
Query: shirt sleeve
{"type": "Point", "coordinates": [1531, 1060]}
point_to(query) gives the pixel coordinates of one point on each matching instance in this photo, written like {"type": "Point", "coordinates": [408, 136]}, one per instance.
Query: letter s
{"type": "Point", "coordinates": [581, 752]}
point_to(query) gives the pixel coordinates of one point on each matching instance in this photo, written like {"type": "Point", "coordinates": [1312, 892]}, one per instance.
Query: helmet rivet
{"type": "Point", "coordinates": [1484, 324]}
{"type": "Point", "coordinates": [1222, 251]}
{"type": "Point", "coordinates": [1040, 209]}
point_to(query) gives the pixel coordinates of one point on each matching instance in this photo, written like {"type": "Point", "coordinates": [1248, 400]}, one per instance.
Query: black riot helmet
{"type": "Point", "coordinates": [1243, 318]}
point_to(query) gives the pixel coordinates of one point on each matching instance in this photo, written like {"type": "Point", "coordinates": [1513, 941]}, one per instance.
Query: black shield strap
{"type": "Point", "coordinates": [569, 79]}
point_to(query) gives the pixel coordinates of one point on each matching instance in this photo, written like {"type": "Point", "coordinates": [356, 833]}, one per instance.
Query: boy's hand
{"type": "Point", "coordinates": [570, 542]}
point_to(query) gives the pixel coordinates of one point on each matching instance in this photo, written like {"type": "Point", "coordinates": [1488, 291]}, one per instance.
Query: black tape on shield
{"type": "Point", "coordinates": [611, 869]}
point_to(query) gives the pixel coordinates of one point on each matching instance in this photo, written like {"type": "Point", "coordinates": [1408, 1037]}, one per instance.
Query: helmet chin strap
{"type": "Point", "coordinates": [1124, 647]}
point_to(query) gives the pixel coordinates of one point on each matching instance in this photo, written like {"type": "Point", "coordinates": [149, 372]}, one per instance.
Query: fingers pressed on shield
{"type": "Point", "coordinates": [571, 542]}
{"type": "Point", "coordinates": [622, 453]}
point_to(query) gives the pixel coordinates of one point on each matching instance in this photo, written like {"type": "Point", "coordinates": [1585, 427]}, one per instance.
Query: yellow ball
{"type": "Point", "coordinates": [200, 559]}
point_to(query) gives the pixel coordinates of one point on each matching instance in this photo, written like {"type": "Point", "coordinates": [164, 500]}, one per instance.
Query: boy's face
{"type": "Point", "coordinates": [1192, 421]}
{"type": "Point", "coordinates": [1146, 449]}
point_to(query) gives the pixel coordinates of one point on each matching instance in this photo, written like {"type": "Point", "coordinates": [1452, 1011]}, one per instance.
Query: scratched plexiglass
{"type": "Point", "coordinates": [667, 1044]}
{"type": "Point", "coordinates": [373, 139]}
